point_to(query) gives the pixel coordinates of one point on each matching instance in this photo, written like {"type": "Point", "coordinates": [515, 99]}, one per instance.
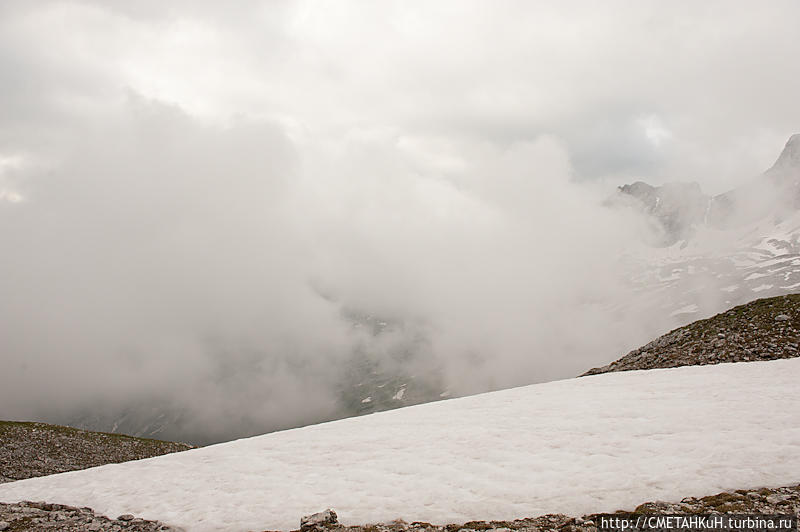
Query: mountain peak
{"type": "Point", "coordinates": [677, 206]}
{"type": "Point", "coordinates": [790, 156]}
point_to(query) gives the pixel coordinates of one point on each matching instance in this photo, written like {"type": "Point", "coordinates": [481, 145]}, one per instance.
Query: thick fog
{"type": "Point", "coordinates": [215, 265]}
{"type": "Point", "coordinates": [194, 203]}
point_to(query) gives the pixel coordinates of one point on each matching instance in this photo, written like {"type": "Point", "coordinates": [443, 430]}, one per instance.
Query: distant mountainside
{"type": "Point", "coordinates": [766, 329]}
{"type": "Point", "coordinates": [679, 208]}
{"type": "Point", "coordinates": [712, 253]}
{"type": "Point", "coordinates": [776, 192]}
{"type": "Point", "coordinates": [36, 449]}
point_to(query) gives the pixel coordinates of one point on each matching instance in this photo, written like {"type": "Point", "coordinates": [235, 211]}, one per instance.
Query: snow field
{"type": "Point", "coordinates": [575, 446]}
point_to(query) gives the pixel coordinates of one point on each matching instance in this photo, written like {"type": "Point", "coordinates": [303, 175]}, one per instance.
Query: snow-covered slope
{"type": "Point", "coordinates": [718, 269]}
{"type": "Point", "coordinates": [724, 250]}
{"type": "Point", "coordinates": [575, 446]}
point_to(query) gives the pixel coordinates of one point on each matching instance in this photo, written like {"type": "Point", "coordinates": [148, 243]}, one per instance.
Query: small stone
{"type": "Point", "coordinates": [4, 525]}
{"type": "Point", "coordinates": [310, 522]}
{"type": "Point", "coordinates": [125, 517]}
{"type": "Point", "coordinates": [720, 335]}
{"type": "Point", "coordinates": [781, 317]}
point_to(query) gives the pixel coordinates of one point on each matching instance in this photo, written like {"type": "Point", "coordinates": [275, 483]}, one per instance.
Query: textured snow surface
{"type": "Point", "coordinates": [583, 445]}
{"type": "Point", "coordinates": [688, 309]}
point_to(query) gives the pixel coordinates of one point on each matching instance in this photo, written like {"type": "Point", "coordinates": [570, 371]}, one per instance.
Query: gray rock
{"type": "Point", "coordinates": [319, 519]}
{"type": "Point", "coordinates": [777, 498]}
{"type": "Point", "coordinates": [125, 517]}
{"type": "Point", "coordinates": [60, 518]}
{"type": "Point", "coordinates": [4, 525]}
{"type": "Point", "coordinates": [782, 317]}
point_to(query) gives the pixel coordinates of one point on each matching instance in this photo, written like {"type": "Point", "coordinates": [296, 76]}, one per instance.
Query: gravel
{"type": "Point", "coordinates": [36, 449]}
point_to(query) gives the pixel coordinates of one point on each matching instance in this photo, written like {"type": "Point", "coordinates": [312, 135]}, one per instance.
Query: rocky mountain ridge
{"type": "Point", "coordinates": [680, 207]}
{"type": "Point", "coordinates": [706, 261]}
{"type": "Point", "coordinates": [765, 329]}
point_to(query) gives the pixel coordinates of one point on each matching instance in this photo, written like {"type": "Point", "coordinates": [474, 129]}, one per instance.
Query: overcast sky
{"type": "Point", "coordinates": [187, 182]}
{"type": "Point", "coordinates": [651, 90]}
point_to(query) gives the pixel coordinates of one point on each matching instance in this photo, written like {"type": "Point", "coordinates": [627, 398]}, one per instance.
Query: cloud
{"type": "Point", "coordinates": [192, 199]}
{"type": "Point", "coordinates": [716, 75]}
{"type": "Point", "coordinates": [148, 255]}
{"type": "Point", "coordinates": [212, 268]}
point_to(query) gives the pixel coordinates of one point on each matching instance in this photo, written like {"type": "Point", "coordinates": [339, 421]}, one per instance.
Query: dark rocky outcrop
{"type": "Point", "coordinates": [679, 207]}
{"type": "Point", "coordinates": [765, 329]}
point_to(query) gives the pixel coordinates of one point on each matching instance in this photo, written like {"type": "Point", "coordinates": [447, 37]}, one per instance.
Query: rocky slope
{"type": "Point", "coordinates": [36, 449]}
{"type": "Point", "coordinates": [765, 329]}
{"type": "Point", "coordinates": [776, 501]}
{"type": "Point", "coordinates": [61, 518]}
